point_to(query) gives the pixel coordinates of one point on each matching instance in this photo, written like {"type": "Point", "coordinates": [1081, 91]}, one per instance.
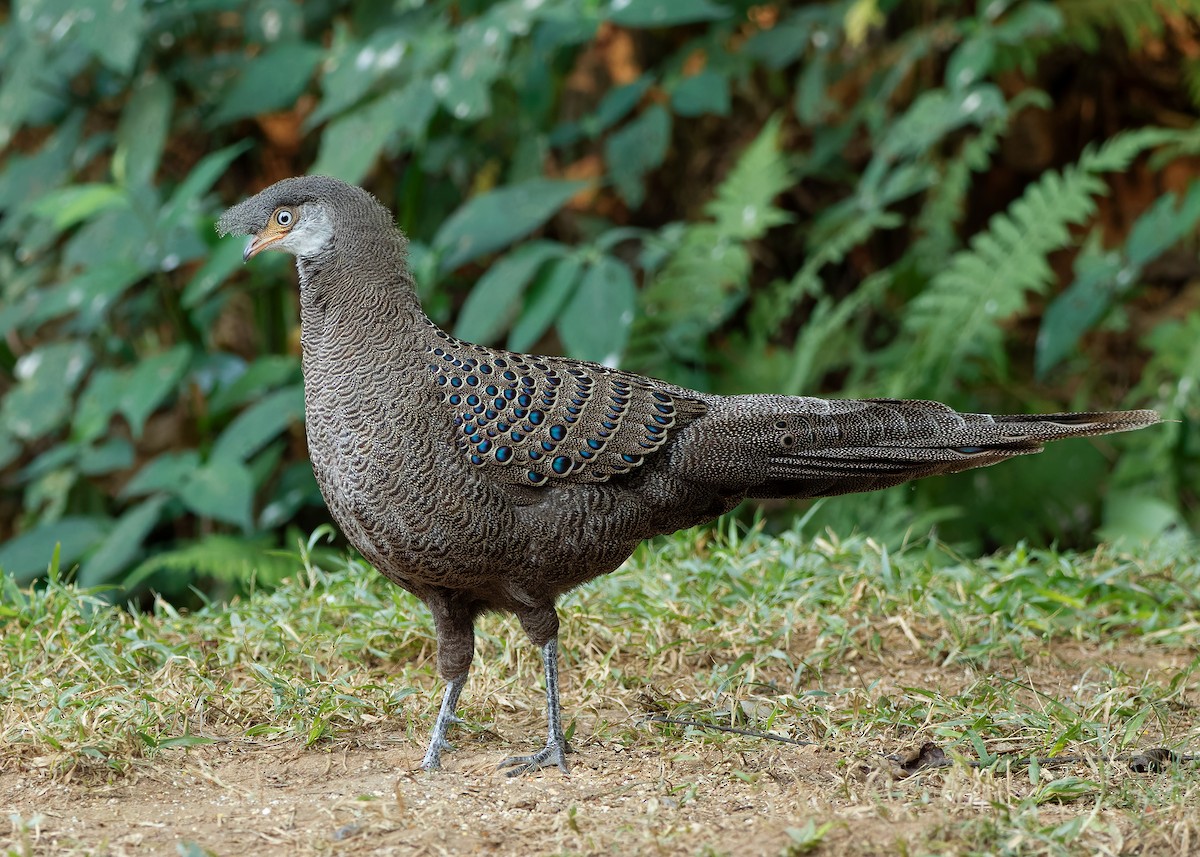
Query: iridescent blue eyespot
{"type": "Point", "coordinates": [536, 417]}
{"type": "Point", "coordinates": [503, 426]}
{"type": "Point", "coordinates": [558, 432]}
{"type": "Point", "coordinates": [484, 445]}
{"type": "Point", "coordinates": [475, 438]}
{"type": "Point", "coordinates": [523, 400]}
{"type": "Point", "coordinates": [516, 436]}
{"type": "Point", "coordinates": [510, 375]}
{"type": "Point", "coordinates": [662, 397]}
{"type": "Point", "coordinates": [491, 390]}
{"type": "Point", "coordinates": [472, 400]}
{"type": "Point", "coordinates": [585, 454]}
{"type": "Point", "coordinates": [472, 380]}
{"type": "Point", "coordinates": [548, 446]}
{"type": "Point", "coordinates": [475, 459]}
{"type": "Point", "coordinates": [535, 477]}
{"type": "Point", "coordinates": [510, 394]}
{"type": "Point", "coordinates": [499, 404]}
{"type": "Point", "coordinates": [662, 421]}
{"type": "Point", "coordinates": [572, 410]}
{"type": "Point", "coordinates": [503, 453]}
{"type": "Point", "coordinates": [456, 382]}
{"type": "Point", "coordinates": [534, 455]}
{"type": "Point", "coordinates": [455, 399]}
{"type": "Point", "coordinates": [485, 369]}
{"type": "Point", "coordinates": [441, 379]}
{"type": "Point", "coordinates": [519, 412]}
{"type": "Point", "coordinates": [631, 459]}
{"type": "Point", "coordinates": [594, 444]}
{"type": "Point", "coordinates": [490, 414]}
{"type": "Point", "coordinates": [654, 429]}
{"type": "Point", "coordinates": [561, 464]}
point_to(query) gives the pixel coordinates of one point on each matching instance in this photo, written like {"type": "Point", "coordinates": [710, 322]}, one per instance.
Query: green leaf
{"type": "Point", "coordinates": [970, 62]}
{"type": "Point", "coordinates": [88, 295]}
{"type": "Point", "coordinates": [637, 148]}
{"type": "Point", "coordinates": [222, 489]}
{"type": "Point", "coordinates": [491, 220]}
{"type": "Point", "coordinates": [41, 402]}
{"type": "Point", "coordinates": [594, 323]}
{"type": "Point", "coordinates": [1032, 19]}
{"type": "Point", "coordinates": [496, 298]}
{"type": "Point", "coordinates": [26, 556]}
{"type": "Point", "coordinates": [544, 301]}
{"type": "Point", "coordinates": [71, 205]}
{"type": "Point", "coordinates": [149, 384]}
{"type": "Point", "coordinates": [1081, 305]}
{"type": "Point", "coordinates": [352, 142]}
{"type": "Point", "coordinates": [116, 454]}
{"type": "Point", "coordinates": [706, 92]}
{"type": "Point", "coordinates": [223, 260]}
{"type": "Point", "coordinates": [272, 81]}
{"type": "Point", "coordinates": [937, 113]}
{"type": "Point", "coordinates": [260, 423]}
{"type": "Point", "coordinates": [168, 472]}
{"type": "Point", "coordinates": [114, 31]}
{"type": "Point", "coordinates": [187, 196]}
{"type": "Point", "coordinates": [122, 544]}
{"type": "Point", "coordinates": [142, 132]}
{"type": "Point", "coordinates": [664, 13]}
{"type": "Point", "coordinates": [258, 378]}
{"type": "Point", "coordinates": [1102, 276]}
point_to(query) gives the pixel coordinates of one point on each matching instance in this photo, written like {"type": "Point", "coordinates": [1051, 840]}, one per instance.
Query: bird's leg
{"type": "Point", "coordinates": [554, 753]}
{"type": "Point", "coordinates": [445, 719]}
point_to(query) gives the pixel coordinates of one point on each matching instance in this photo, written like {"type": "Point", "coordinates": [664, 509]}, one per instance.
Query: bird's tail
{"type": "Point", "coordinates": [784, 446]}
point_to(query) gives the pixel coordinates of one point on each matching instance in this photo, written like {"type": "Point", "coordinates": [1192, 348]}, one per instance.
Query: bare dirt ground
{"type": "Point", "coordinates": [631, 790]}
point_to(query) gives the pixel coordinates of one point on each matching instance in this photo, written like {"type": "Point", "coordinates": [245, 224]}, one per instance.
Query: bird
{"type": "Point", "coordinates": [483, 480]}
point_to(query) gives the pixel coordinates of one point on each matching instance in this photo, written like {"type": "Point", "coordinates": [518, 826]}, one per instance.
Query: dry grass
{"type": "Point", "coordinates": [290, 722]}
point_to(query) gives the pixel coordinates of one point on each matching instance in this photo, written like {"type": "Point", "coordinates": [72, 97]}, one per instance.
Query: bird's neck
{"type": "Point", "coordinates": [356, 308]}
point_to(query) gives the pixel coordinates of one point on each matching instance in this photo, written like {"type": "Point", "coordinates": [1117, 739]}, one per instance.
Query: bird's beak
{"type": "Point", "coordinates": [257, 244]}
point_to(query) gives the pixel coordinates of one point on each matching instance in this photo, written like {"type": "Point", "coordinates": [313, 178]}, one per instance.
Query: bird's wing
{"type": "Point", "coordinates": [540, 421]}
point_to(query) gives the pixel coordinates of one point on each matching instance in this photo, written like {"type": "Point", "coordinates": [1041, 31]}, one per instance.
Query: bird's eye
{"type": "Point", "coordinates": [284, 217]}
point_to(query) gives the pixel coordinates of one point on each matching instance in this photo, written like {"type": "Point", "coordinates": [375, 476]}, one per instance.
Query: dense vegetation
{"type": "Point", "coordinates": [993, 203]}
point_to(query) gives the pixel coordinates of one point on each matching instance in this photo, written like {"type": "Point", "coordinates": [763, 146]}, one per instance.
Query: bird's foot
{"type": "Point", "coordinates": [438, 743]}
{"type": "Point", "coordinates": [553, 753]}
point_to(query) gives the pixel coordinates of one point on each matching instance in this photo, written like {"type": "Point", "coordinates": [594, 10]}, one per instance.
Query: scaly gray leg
{"type": "Point", "coordinates": [554, 753]}
{"type": "Point", "coordinates": [445, 719]}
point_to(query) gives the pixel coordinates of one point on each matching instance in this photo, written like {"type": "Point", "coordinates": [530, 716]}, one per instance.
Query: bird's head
{"type": "Point", "coordinates": [307, 216]}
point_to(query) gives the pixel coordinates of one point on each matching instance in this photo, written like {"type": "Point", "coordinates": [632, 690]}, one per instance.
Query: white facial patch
{"type": "Point", "coordinates": [312, 232]}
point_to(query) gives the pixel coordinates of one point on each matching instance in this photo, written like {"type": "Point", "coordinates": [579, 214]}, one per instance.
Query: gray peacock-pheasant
{"type": "Point", "coordinates": [483, 480]}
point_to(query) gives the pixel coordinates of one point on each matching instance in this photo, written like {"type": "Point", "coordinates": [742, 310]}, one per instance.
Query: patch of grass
{"type": "Point", "coordinates": [836, 641]}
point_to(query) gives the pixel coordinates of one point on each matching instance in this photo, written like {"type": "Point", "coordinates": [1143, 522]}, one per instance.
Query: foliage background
{"type": "Point", "coordinates": [992, 203]}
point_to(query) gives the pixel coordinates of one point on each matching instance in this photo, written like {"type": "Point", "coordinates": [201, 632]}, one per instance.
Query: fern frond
{"type": "Point", "coordinates": [1137, 20]}
{"type": "Point", "coordinates": [707, 274]}
{"type": "Point", "coordinates": [241, 562]}
{"type": "Point", "coordinates": [958, 317]}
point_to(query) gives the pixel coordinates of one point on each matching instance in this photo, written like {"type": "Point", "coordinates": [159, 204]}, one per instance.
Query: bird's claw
{"type": "Point", "coordinates": [553, 753]}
